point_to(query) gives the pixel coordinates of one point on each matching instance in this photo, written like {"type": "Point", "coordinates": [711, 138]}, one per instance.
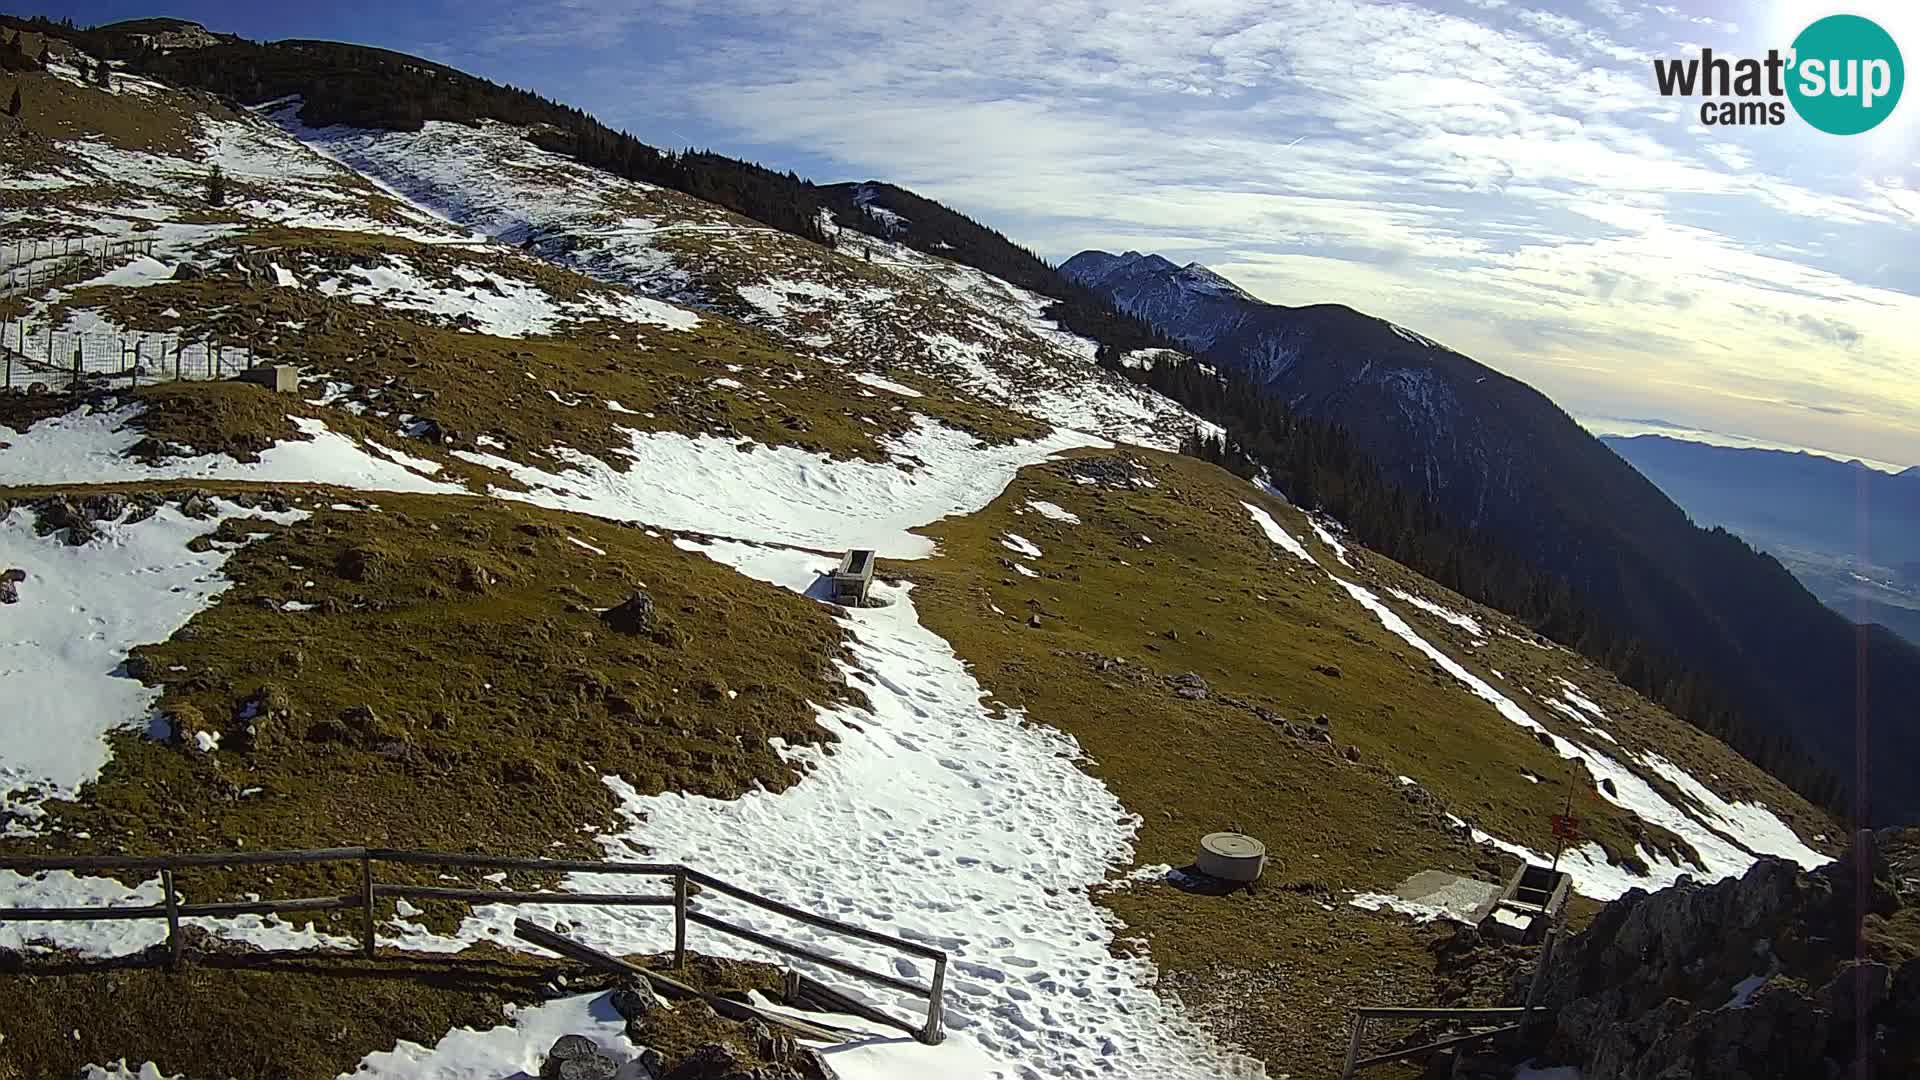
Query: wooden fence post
{"type": "Point", "coordinates": [176, 946]}
{"type": "Point", "coordinates": [935, 1031]}
{"type": "Point", "coordinates": [366, 884]}
{"type": "Point", "coordinates": [1353, 1045]}
{"type": "Point", "coordinates": [680, 918]}
{"type": "Point", "coordinates": [1540, 970]}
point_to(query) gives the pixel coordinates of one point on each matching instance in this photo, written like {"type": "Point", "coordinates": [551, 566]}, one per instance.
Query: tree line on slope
{"type": "Point", "coordinates": [1318, 466]}
{"type": "Point", "coordinates": [946, 233]}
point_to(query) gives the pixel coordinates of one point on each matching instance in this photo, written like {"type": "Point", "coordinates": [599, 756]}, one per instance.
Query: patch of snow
{"type": "Point", "coordinates": [1332, 541]}
{"type": "Point", "coordinates": [1017, 543]}
{"type": "Point", "coordinates": [1421, 913]}
{"type": "Point", "coordinates": [142, 271]}
{"type": "Point", "coordinates": [1050, 510]}
{"type": "Point", "coordinates": [888, 385]}
{"type": "Point", "coordinates": [90, 446]}
{"type": "Point", "coordinates": [1278, 535]}
{"type": "Point", "coordinates": [1446, 615]}
{"type": "Point", "coordinates": [784, 494]}
{"type": "Point", "coordinates": [1588, 865]}
{"type": "Point", "coordinates": [1744, 990]}
{"type": "Point", "coordinates": [577, 542]}
{"type": "Point", "coordinates": [79, 611]}
{"type": "Point", "coordinates": [517, 1047]}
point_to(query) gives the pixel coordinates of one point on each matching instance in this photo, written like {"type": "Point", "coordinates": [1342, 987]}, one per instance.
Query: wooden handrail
{"type": "Point", "coordinates": [369, 891]}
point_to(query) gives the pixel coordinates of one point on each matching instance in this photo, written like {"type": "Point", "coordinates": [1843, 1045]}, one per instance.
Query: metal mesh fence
{"type": "Point", "coordinates": [19, 253]}
{"type": "Point", "coordinates": [55, 361]}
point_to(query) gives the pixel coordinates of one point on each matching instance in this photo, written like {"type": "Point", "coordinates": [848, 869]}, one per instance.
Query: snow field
{"type": "Point", "coordinates": [1728, 844]}
{"type": "Point", "coordinates": [89, 446]}
{"type": "Point", "coordinates": [491, 179]}
{"type": "Point", "coordinates": [79, 610]}
{"type": "Point", "coordinates": [785, 495]}
{"type": "Point", "coordinates": [934, 820]}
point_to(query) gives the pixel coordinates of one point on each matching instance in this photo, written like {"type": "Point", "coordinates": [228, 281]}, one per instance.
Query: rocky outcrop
{"type": "Point", "coordinates": [1778, 973]}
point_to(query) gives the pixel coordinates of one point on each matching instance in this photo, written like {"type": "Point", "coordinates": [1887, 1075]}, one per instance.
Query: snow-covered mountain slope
{"type": "Point", "coordinates": [392, 619]}
{"type": "Point", "coordinates": [1497, 456]}
{"type": "Point", "coordinates": [868, 306]}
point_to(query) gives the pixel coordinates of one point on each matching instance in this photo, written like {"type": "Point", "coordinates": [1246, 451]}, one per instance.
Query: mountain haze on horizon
{"type": "Point", "coordinates": [1849, 532]}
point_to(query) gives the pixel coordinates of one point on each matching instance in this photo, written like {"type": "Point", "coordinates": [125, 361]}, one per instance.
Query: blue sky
{"type": "Point", "coordinates": [1498, 174]}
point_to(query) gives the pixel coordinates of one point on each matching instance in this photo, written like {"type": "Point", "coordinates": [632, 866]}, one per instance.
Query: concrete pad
{"type": "Point", "coordinates": [1465, 898]}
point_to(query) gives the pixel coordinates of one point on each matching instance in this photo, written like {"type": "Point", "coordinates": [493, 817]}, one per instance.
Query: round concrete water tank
{"type": "Point", "coordinates": [1231, 856]}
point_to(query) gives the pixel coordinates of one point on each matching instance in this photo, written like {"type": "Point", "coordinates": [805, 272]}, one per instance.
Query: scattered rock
{"type": "Point", "coordinates": [360, 564]}
{"type": "Point", "coordinates": [635, 1001]}
{"type": "Point", "coordinates": [634, 615]}
{"type": "Point", "coordinates": [1331, 671]}
{"type": "Point", "coordinates": [1351, 753]}
{"type": "Point", "coordinates": [811, 1064]}
{"type": "Point", "coordinates": [576, 1057]}
{"type": "Point", "coordinates": [709, 1061]}
{"type": "Point", "coordinates": [1642, 994]}
{"type": "Point", "coordinates": [197, 506]}
{"type": "Point", "coordinates": [10, 585]}
{"type": "Point", "coordinates": [187, 271]}
{"type": "Point", "coordinates": [1034, 621]}
{"type": "Point", "coordinates": [106, 506]}
{"type": "Point", "coordinates": [57, 514]}
{"type": "Point", "coordinates": [1607, 785]}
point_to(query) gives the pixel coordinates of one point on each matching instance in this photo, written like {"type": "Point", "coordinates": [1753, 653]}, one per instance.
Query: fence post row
{"type": "Point", "coordinates": [930, 1031]}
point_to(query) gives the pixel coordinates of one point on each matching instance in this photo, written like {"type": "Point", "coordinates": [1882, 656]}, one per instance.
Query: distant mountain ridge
{"type": "Point", "coordinates": [1848, 531]}
{"type": "Point", "coordinates": [1497, 455]}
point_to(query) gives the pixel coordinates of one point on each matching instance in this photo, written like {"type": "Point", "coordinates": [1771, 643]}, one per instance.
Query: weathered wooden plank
{"type": "Point", "coordinates": [510, 862]}
{"type": "Point", "coordinates": [504, 896]}
{"type": "Point", "coordinates": [586, 954]}
{"type": "Point", "coordinates": [1428, 1048]}
{"type": "Point", "coordinates": [1417, 1013]}
{"type": "Point", "coordinates": [223, 909]}
{"type": "Point", "coordinates": [808, 917]}
{"type": "Point", "coordinates": [827, 999]}
{"type": "Point", "coordinates": [822, 959]}
{"type": "Point", "coordinates": [27, 864]}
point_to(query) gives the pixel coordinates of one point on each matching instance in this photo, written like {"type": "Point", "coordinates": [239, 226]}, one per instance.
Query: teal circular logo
{"type": "Point", "coordinates": [1846, 74]}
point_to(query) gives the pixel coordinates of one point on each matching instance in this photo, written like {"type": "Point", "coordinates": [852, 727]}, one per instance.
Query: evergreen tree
{"type": "Point", "coordinates": [13, 105]}
{"type": "Point", "coordinates": [80, 64]}
{"type": "Point", "coordinates": [103, 76]}
{"type": "Point", "coordinates": [216, 186]}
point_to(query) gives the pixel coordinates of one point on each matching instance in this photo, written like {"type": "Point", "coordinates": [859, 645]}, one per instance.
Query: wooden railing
{"type": "Point", "coordinates": [371, 891]}
{"type": "Point", "coordinates": [1498, 1021]}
